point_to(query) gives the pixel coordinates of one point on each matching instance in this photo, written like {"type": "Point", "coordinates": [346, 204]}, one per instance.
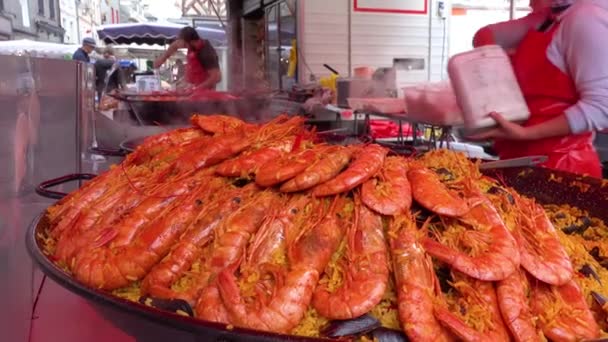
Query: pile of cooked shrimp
{"type": "Point", "coordinates": [254, 225]}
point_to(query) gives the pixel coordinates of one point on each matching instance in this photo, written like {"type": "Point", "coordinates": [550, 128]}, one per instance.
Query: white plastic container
{"type": "Point", "coordinates": [433, 103]}
{"type": "Point", "coordinates": [147, 83]}
{"type": "Point", "coordinates": [484, 82]}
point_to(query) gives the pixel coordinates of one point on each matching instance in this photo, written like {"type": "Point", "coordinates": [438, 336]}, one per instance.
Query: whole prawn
{"type": "Point", "coordinates": [428, 190]}
{"type": "Point", "coordinates": [329, 166]}
{"type": "Point", "coordinates": [563, 312]}
{"type": "Point", "coordinates": [494, 253]}
{"type": "Point", "coordinates": [542, 254]}
{"type": "Point", "coordinates": [111, 268]}
{"type": "Point", "coordinates": [219, 124]}
{"type": "Point", "coordinates": [416, 284]}
{"type": "Point", "coordinates": [308, 255]}
{"type": "Point", "coordinates": [514, 306]}
{"type": "Point", "coordinates": [219, 212]}
{"type": "Point", "coordinates": [367, 163]}
{"type": "Point", "coordinates": [390, 193]}
{"type": "Point", "coordinates": [264, 254]}
{"type": "Point", "coordinates": [478, 296]}
{"type": "Point", "coordinates": [366, 272]}
{"type": "Point", "coordinates": [247, 164]}
{"type": "Point", "coordinates": [285, 168]}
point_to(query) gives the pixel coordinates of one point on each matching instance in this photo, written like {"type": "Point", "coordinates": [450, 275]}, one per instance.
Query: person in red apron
{"type": "Point", "coordinates": [202, 65]}
{"type": "Point", "coordinates": [508, 33]}
{"type": "Point", "coordinates": [550, 94]}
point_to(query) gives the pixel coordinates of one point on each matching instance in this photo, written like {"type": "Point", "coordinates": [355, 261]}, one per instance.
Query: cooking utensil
{"type": "Point", "coordinates": [515, 162]}
{"type": "Point", "coordinates": [331, 69]}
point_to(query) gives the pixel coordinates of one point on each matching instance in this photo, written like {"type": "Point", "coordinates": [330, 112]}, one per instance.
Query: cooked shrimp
{"type": "Point", "coordinates": [308, 255]}
{"type": "Point", "coordinates": [285, 168]}
{"type": "Point", "coordinates": [563, 312]}
{"type": "Point", "coordinates": [390, 193]}
{"type": "Point", "coordinates": [512, 294]}
{"type": "Point", "coordinates": [366, 270]}
{"type": "Point", "coordinates": [367, 163]}
{"type": "Point", "coordinates": [542, 254]}
{"type": "Point", "coordinates": [247, 164]}
{"type": "Point", "coordinates": [416, 283]}
{"type": "Point", "coordinates": [224, 217]}
{"type": "Point", "coordinates": [494, 253]}
{"type": "Point", "coordinates": [480, 297]}
{"type": "Point", "coordinates": [218, 124]}
{"type": "Point", "coordinates": [111, 268]}
{"type": "Point", "coordinates": [434, 196]}
{"type": "Point", "coordinates": [326, 168]}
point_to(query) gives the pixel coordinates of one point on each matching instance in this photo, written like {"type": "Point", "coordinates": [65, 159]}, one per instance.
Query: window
{"type": "Point", "coordinates": [280, 33]}
{"type": "Point", "coordinates": [52, 9]}
{"type": "Point", "coordinates": [41, 7]}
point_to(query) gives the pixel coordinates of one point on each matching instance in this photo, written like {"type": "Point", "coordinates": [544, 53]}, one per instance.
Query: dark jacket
{"type": "Point", "coordinates": [81, 55]}
{"type": "Point", "coordinates": [102, 67]}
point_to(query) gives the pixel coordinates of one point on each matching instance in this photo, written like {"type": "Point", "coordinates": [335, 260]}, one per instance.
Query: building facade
{"type": "Point", "coordinates": [109, 11]}
{"type": "Point", "coordinates": [47, 21]}
{"type": "Point", "coordinates": [89, 17]}
{"type": "Point", "coordinates": [69, 21]}
{"type": "Point", "coordinates": [30, 19]}
{"type": "Point", "coordinates": [131, 11]}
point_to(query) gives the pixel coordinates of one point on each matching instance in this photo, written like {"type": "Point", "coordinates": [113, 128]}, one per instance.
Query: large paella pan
{"type": "Point", "coordinates": [260, 232]}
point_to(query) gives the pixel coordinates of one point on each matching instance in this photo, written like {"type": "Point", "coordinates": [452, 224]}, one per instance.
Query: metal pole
{"type": "Point", "coordinates": [512, 9]}
{"type": "Point", "coordinates": [350, 39]}
{"type": "Point", "coordinates": [219, 17]}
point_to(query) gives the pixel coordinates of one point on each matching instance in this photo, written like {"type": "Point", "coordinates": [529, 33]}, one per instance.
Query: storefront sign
{"type": "Point", "coordinates": [392, 6]}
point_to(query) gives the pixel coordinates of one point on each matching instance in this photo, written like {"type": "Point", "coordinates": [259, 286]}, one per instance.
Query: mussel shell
{"type": "Point", "coordinates": [241, 182]}
{"type": "Point", "coordinates": [389, 335]}
{"type": "Point", "coordinates": [588, 271]}
{"type": "Point", "coordinates": [356, 326]}
{"type": "Point", "coordinates": [578, 229]}
{"type": "Point", "coordinates": [172, 305]}
{"type": "Point", "coordinates": [600, 299]}
{"type": "Point", "coordinates": [495, 190]}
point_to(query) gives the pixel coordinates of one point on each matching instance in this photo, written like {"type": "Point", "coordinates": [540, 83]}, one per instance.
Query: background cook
{"type": "Point", "coordinates": [202, 67]}
{"type": "Point", "coordinates": [562, 70]}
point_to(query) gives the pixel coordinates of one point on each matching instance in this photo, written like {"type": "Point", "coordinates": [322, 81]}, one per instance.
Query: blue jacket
{"type": "Point", "coordinates": [81, 55]}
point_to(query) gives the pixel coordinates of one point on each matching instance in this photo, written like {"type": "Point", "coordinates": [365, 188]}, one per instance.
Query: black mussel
{"type": "Point", "coordinates": [445, 174]}
{"type": "Point", "coordinates": [560, 215]}
{"type": "Point", "coordinates": [360, 325]}
{"type": "Point", "coordinates": [595, 253]}
{"type": "Point", "coordinates": [389, 335]}
{"type": "Point", "coordinates": [588, 271]}
{"type": "Point", "coordinates": [444, 275]}
{"type": "Point", "coordinates": [578, 228]}
{"type": "Point", "coordinates": [172, 305]}
{"type": "Point", "coordinates": [495, 190]}
{"type": "Point", "coordinates": [241, 182]}
{"type": "Point", "coordinates": [423, 214]}
{"type": "Point", "coordinates": [600, 299]}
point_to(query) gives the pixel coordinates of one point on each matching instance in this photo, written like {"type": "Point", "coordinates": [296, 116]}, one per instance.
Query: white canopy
{"type": "Point", "coordinates": [36, 49]}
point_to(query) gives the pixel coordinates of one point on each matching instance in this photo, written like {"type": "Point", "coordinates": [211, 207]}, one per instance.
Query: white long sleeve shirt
{"type": "Point", "coordinates": [580, 49]}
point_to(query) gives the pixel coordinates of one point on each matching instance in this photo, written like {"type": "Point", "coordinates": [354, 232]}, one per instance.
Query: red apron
{"type": "Point", "coordinates": [548, 92]}
{"type": "Point", "coordinates": [195, 72]}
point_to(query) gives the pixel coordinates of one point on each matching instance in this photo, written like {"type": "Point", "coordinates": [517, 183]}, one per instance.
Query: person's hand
{"type": "Point", "coordinates": [505, 130]}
